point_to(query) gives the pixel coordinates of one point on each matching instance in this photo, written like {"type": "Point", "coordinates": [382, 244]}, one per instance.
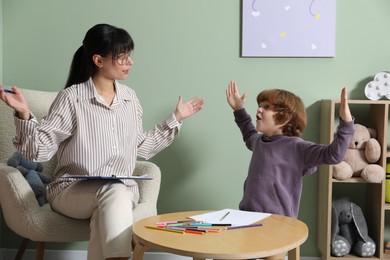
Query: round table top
{"type": "Point", "coordinates": [277, 235]}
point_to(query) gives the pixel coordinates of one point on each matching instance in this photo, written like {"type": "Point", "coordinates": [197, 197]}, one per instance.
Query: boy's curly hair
{"type": "Point", "coordinates": [289, 109]}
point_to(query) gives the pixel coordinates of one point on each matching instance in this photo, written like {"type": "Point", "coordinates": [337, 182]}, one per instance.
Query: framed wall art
{"type": "Point", "coordinates": [288, 28]}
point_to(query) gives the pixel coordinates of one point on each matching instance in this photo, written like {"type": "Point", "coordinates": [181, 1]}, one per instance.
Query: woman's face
{"type": "Point", "coordinates": [117, 69]}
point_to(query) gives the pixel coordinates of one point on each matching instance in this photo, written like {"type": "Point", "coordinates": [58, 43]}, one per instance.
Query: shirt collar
{"type": "Point", "coordinates": [273, 138]}
{"type": "Point", "coordinates": [89, 92]}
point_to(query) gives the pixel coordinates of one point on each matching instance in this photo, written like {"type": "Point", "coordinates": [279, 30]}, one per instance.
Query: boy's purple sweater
{"type": "Point", "coordinates": [278, 164]}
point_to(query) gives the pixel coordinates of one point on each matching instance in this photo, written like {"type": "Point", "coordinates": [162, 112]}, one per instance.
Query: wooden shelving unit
{"type": "Point", "coordinates": [374, 114]}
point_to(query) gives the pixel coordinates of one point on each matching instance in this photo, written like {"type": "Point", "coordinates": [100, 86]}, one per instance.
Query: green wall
{"type": "Point", "coordinates": [1, 80]}
{"type": "Point", "coordinates": [192, 48]}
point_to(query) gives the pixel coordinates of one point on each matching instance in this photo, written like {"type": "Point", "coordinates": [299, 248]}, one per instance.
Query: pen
{"type": "Point", "coordinates": [8, 91]}
{"type": "Point", "coordinates": [166, 229]}
{"type": "Point", "coordinates": [224, 216]}
{"type": "Point", "coordinates": [245, 226]}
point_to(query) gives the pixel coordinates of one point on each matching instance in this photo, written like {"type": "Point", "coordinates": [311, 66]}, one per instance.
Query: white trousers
{"type": "Point", "coordinates": [109, 205]}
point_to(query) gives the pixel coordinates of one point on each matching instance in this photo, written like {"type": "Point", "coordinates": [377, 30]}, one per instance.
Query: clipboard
{"type": "Point", "coordinates": [112, 177]}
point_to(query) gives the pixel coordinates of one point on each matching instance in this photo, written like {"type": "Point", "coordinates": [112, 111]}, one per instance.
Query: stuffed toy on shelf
{"type": "Point", "coordinates": [349, 232]}
{"type": "Point", "coordinates": [359, 160]}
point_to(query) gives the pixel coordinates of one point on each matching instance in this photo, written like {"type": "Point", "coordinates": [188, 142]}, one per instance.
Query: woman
{"type": "Point", "coordinates": [95, 127]}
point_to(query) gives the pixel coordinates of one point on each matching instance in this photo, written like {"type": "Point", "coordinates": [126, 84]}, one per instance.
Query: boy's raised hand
{"type": "Point", "coordinates": [345, 113]}
{"type": "Point", "coordinates": [233, 96]}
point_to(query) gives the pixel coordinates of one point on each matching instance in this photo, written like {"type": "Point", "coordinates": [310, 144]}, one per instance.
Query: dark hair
{"type": "Point", "coordinates": [289, 109]}
{"type": "Point", "coordinates": [101, 39]}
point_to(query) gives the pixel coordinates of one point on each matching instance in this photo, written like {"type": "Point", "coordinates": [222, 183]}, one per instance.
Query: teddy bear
{"type": "Point", "coordinates": [362, 154]}
{"type": "Point", "coordinates": [349, 232]}
{"type": "Point", "coordinates": [32, 172]}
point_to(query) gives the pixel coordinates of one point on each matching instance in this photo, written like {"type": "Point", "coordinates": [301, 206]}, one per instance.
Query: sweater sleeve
{"type": "Point", "coordinates": [334, 152]}
{"type": "Point", "coordinates": [248, 130]}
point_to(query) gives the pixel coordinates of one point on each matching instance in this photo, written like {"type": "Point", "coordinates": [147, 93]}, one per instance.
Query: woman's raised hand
{"type": "Point", "coordinates": [16, 101]}
{"type": "Point", "coordinates": [187, 109]}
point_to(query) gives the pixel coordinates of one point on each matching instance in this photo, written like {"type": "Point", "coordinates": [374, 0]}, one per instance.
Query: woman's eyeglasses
{"type": "Point", "coordinates": [123, 59]}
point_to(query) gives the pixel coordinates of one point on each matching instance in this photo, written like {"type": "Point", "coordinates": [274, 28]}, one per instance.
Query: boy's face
{"type": "Point", "coordinates": [265, 121]}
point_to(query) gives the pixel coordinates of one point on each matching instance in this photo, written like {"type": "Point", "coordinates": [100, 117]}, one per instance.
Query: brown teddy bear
{"type": "Point", "coordinates": [362, 154]}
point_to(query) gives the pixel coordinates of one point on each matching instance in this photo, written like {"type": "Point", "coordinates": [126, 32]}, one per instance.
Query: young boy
{"type": "Point", "coordinates": [280, 158]}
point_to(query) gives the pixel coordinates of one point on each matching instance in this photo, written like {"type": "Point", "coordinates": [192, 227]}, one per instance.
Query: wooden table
{"type": "Point", "coordinates": [278, 234]}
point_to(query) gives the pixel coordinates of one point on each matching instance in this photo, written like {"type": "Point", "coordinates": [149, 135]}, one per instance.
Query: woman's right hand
{"type": "Point", "coordinates": [16, 101]}
{"type": "Point", "coordinates": [233, 96]}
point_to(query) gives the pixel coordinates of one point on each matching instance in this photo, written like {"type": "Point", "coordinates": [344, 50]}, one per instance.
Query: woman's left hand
{"type": "Point", "coordinates": [187, 109]}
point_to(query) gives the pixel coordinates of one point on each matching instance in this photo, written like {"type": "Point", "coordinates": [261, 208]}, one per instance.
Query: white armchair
{"type": "Point", "coordinates": [20, 208]}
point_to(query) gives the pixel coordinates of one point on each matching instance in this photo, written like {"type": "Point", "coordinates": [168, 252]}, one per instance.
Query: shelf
{"type": "Point", "coordinates": [351, 180]}
{"type": "Point", "coordinates": [364, 101]}
{"type": "Point", "coordinates": [373, 114]}
{"type": "Point", "coordinates": [354, 257]}
{"type": "Point", "coordinates": [387, 207]}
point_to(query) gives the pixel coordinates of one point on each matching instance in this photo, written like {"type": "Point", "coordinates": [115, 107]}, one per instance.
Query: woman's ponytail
{"type": "Point", "coordinates": [81, 68]}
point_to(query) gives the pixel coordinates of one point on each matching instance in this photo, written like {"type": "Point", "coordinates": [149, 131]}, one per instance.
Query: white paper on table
{"type": "Point", "coordinates": [235, 217]}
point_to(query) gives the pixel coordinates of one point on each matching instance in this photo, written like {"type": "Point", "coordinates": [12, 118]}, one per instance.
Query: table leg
{"type": "Point", "coordinates": [196, 258]}
{"type": "Point", "coordinates": [139, 250]}
{"type": "Point", "coordinates": [294, 254]}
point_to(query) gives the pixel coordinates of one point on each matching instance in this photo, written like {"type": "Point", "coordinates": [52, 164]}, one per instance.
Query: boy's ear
{"type": "Point", "coordinates": [286, 118]}
{"type": "Point", "coordinates": [97, 60]}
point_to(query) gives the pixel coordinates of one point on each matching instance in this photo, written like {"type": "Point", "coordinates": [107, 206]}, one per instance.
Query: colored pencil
{"type": "Point", "coordinates": [244, 226]}
{"type": "Point", "coordinates": [210, 224]}
{"type": "Point", "coordinates": [166, 229]}
{"type": "Point", "coordinates": [193, 232]}
{"type": "Point", "coordinates": [174, 222]}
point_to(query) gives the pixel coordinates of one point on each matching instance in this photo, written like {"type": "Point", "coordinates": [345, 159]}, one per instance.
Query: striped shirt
{"type": "Point", "coordinates": [92, 138]}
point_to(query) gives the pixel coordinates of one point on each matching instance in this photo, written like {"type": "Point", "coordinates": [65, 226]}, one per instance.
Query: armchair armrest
{"type": "Point", "coordinates": [148, 189]}
{"type": "Point", "coordinates": [16, 196]}
{"type": "Point", "coordinates": [25, 217]}
{"type": "Point", "coordinates": [15, 190]}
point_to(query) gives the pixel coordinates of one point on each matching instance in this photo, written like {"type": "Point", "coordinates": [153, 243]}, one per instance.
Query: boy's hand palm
{"type": "Point", "coordinates": [233, 96]}
{"type": "Point", "coordinates": [345, 112]}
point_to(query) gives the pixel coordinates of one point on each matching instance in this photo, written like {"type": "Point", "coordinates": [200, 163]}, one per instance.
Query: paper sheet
{"type": "Point", "coordinates": [235, 217]}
